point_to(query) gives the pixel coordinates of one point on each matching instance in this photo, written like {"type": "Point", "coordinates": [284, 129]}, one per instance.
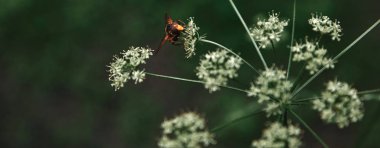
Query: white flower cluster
{"type": "Point", "coordinates": [190, 37]}
{"type": "Point", "coordinates": [272, 88]}
{"type": "Point", "coordinates": [267, 31]}
{"type": "Point", "coordinates": [279, 136]}
{"type": "Point", "coordinates": [324, 25]}
{"type": "Point", "coordinates": [314, 55]}
{"type": "Point", "coordinates": [185, 131]}
{"type": "Point", "coordinates": [124, 68]}
{"type": "Point", "coordinates": [216, 67]}
{"type": "Point", "coordinates": [339, 104]}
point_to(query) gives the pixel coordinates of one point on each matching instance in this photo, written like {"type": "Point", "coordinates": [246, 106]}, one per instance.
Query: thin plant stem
{"type": "Point", "coordinates": [336, 58]}
{"type": "Point", "coordinates": [309, 129]}
{"type": "Point", "coordinates": [285, 118]}
{"type": "Point", "coordinates": [229, 123]}
{"type": "Point", "coordinates": [292, 39]}
{"type": "Point", "coordinates": [193, 81]}
{"type": "Point", "coordinates": [368, 91]}
{"type": "Point", "coordinates": [246, 29]}
{"type": "Point", "coordinates": [229, 50]}
{"type": "Point", "coordinates": [305, 99]}
{"type": "Point", "coordinates": [299, 77]}
{"type": "Point", "coordinates": [359, 93]}
{"type": "Point", "coordinates": [274, 51]}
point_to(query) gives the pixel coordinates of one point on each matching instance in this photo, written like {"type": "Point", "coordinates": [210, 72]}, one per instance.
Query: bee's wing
{"type": "Point", "coordinates": [168, 19]}
{"type": "Point", "coordinates": [181, 23]}
{"type": "Point", "coordinates": [163, 40]}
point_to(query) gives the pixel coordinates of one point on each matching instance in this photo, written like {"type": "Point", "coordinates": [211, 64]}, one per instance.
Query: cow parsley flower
{"type": "Point", "coordinates": [216, 67]}
{"type": "Point", "coordinates": [325, 25]}
{"type": "Point", "coordinates": [185, 131]}
{"type": "Point", "coordinates": [267, 31]}
{"type": "Point", "coordinates": [313, 55]}
{"type": "Point", "coordinates": [339, 104]}
{"type": "Point", "coordinates": [279, 136]}
{"type": "Point", "coordinates": [272, 89]}
{"type": "Point", "coordinates": [190, 37]}
{"type": "Point", "coordinates": [124, 67]}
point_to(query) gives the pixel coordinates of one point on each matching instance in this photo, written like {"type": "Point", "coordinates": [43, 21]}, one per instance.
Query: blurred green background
{"type": "Point", "coordinates": [54, 89]}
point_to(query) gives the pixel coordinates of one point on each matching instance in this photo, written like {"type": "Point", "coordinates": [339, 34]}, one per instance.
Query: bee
{"type": "Point", "coordinates": [173, 30]}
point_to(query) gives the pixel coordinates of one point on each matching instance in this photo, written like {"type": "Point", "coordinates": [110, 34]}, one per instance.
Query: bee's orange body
{"type": "Point", "coordinates": [173, 30]}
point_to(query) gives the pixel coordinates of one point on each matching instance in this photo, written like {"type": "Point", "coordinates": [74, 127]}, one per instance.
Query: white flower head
{"type": "Point", "coordinates": [268, 30]}
{"type": "Point", "coordinates": [216, 67]}
{"type": "Point", "coordinates": [190, 37]}
{"type": "Point", "coordinates": [339, 104]}
{"type": "Point", "coordinates": [312, 54]}
{"type": "Point", "coordinates": [325, 25]}
{"type": "Point", "coordinates": [125, 67]}
{"type": "Point", "coordinates": [185, 131]}
{"type": "Point", "coordinates": [138, 76]}
{"type": "Point", "coordinates": [279, 136]}
{"type": "Point", "coordinates": [272, 89]}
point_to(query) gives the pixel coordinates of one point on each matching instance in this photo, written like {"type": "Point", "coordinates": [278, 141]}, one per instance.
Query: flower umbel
{"type": "Point", "coordinates": [313, 55]}
{"type": "Point", "coordinates": [185, 131]}
{"type": "Point", "coordinates": [339, 104]}
{"type": "Point", "coordinates": [216, 67]}
{"type": "Point", "coordinates": [190, 37]}
{"type": "Point", "coordinates": [267, 31]}
{"type": "Point", "coordinates": [279, 136]}
{"type": "Point", "coordinates": [324, 25]}
{"type": "Point", "coordinates": [272, 88]}
{"type": "Point", "coordinates": [125, 67]}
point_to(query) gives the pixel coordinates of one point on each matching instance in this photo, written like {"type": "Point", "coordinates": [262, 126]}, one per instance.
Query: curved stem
{"type": "Point", "coordinates": [246, 29]}
{"type": "Point", "coordinates": [229, 50]}
{"type": "Point", "coordinates": [336, 57]}
{"type": "Point", "coordinates": [224, 125]}
{"type": "Point", "coordinates": [194, 81]}
{"type": "Point", "coordinates": [309, 129]}
{"type": "Point", "coordinates": [292, 39]}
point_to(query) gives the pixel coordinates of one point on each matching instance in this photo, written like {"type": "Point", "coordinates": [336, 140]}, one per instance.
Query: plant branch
{"type": "Point", "coordinates": [246, 29]}
{"type": "Point", "coordinates": [369, 91]}
{"type": "Point", "coordinates": [336, 57]}
{"type": "Point", "coordinates": [292, 39]}
{"type": "Point", "coordinates": [309, 129]}
{"type": "Point", "coordinates": [229, 123]}
{"type": "Point", "coordinates": [274, 51]}
{"type": "Point", "coordinates": [193, 81]}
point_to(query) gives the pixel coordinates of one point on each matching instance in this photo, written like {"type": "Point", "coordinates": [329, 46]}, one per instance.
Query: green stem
{"type": "Point", "coordinates": [193, 81]}
{"type": "Point", "coordinates": [368, 91]}
{"type": "Point", "coordinates": [274, 51]}
{"type": "Point", "coordinates": [298, 78]}
{"type": "Point", "coordinates": [246, 29]}
{"type": "Point", "coordinates": [305, 99]}
{"type": "Point", "coordinates": [359, 93]}
{"type": "Point", "coordinates": [309, 129]}
{"type": "Point", "coordinates": [285, 118]}
{"type": "Point", "coordinates": [292, 39]}
{"type": "Point", "coordinates": [336, 58]}
{"type": "Point", "coordinates": [224, 125]}
{"type": "Point", "coordinates": [229, 50]}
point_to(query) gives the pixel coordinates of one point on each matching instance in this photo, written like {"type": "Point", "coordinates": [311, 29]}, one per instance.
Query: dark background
{"type": "Point", "coordinates": [54, 89]}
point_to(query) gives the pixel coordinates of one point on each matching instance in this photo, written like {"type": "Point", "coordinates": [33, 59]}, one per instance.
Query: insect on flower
{"type": "Point", "coordinates": [173, 30]}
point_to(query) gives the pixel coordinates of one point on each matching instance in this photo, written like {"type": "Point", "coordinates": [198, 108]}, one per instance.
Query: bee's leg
{"type": "Point", "coordinates": [181, 23]}
{"type": "Point", "coordinates": [175, 41]}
